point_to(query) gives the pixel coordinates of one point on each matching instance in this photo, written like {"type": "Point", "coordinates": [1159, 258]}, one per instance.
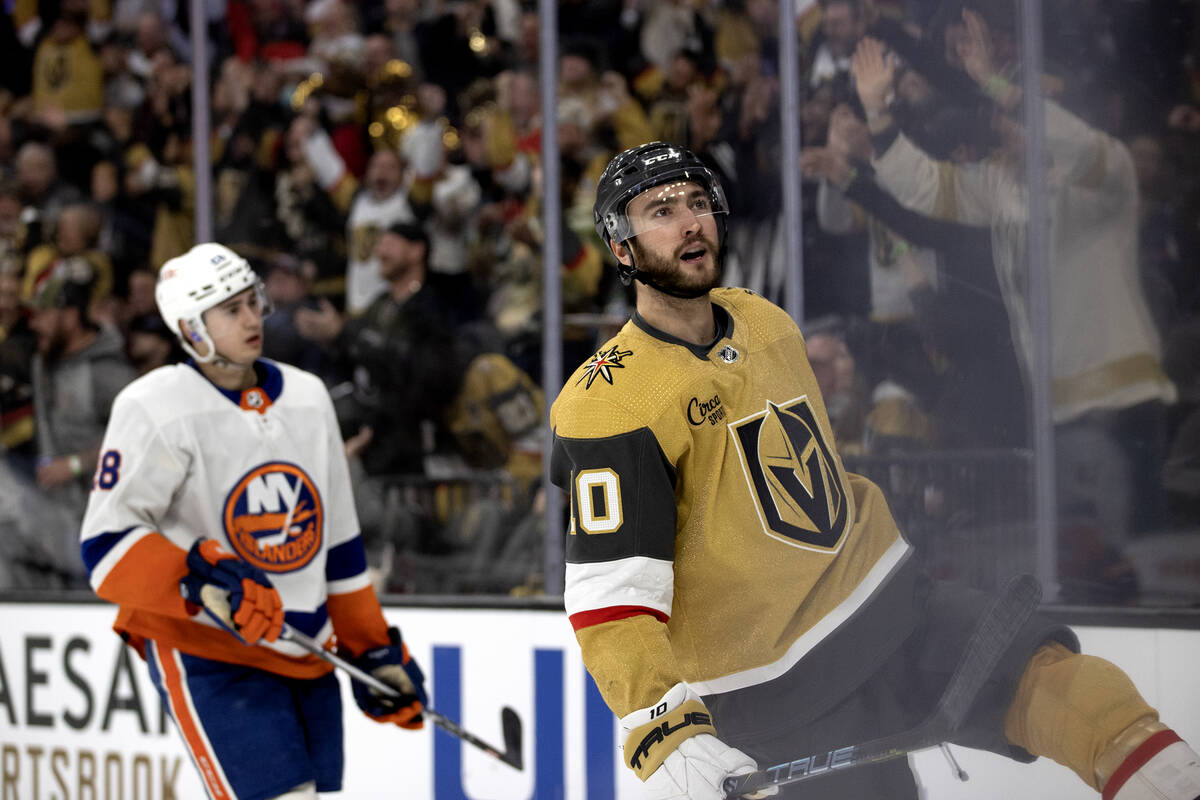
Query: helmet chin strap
{"type": "Point", "coordinates": [219, 360]}
{"type": "Point", "coordinates": [214, 358]}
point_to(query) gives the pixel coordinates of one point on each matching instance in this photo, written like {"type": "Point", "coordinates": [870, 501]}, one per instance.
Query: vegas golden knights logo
{"type": "Point", "coordinates": [795, 480]}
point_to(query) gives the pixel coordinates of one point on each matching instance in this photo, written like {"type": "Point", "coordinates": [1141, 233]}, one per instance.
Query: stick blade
{"type": "Point", "coordinates": [510, 725]}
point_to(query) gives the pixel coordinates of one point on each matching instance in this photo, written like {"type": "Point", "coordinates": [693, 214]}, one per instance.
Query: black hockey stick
{"type": "Point", "coordinates": [995, 631]}
{"type": "Point", "coordinates": [510, 722]}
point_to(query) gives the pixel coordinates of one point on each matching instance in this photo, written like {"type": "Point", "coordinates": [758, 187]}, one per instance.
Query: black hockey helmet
{"type": "Point", "coordinates": [643, 167]}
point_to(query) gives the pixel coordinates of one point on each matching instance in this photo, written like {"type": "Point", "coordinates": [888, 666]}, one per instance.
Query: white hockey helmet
{"type": "Point", "coordinates": [190, 284]}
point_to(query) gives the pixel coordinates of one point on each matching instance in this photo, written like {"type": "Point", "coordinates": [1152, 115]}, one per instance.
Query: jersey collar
{"type": "Point", "coordinates": [724, 325]}
{"type": "Point", "coordinates": [266, 390]}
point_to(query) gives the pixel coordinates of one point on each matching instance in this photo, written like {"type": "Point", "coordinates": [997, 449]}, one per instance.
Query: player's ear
{"type": "Point", "coordinates": [621, 252]}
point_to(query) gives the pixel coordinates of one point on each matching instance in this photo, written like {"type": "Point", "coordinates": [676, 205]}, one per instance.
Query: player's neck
{"type": "Point", "coordinates": [688, 319]}
{"type": "Point", "coordinates": [228, 375]}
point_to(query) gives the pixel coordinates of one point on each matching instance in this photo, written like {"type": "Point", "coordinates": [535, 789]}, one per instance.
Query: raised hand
{"type": "Point", "coordinates": [874, 74]}
{"type": "Point", "coordinates": [975, 49]}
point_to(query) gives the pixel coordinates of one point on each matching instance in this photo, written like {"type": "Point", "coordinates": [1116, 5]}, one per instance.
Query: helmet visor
{"type": "Point", "coordinates": [670, 202]}
{"type": "Point", "coordinates": [256, 297]}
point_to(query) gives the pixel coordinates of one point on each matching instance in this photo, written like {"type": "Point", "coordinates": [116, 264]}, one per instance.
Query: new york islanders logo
{"type": "Point", "coordinates": [274, 517]}
{"type": "Point", "coordinates": [602, 365]}
{"type": "Point", "coordinates": [798, 486]}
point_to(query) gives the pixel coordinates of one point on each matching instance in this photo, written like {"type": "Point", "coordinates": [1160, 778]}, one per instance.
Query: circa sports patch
{"type": "Point", "coordinates": [602, 364]}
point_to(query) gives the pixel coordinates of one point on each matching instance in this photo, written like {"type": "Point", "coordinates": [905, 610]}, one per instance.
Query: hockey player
{"type": "Point", "coordinates": [222, 488]}
{"type": "Point", "coordinates": [739, 598]}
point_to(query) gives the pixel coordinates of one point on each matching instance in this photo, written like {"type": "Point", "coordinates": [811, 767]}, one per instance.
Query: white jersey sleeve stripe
{"type": "Point", "coordinates": [347, 585]}
{"type": "Point", "coordinates": [634, 581]}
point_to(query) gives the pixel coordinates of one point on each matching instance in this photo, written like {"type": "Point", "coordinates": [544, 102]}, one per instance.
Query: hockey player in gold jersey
{"type": "Point", "coordinates": [737, 595]}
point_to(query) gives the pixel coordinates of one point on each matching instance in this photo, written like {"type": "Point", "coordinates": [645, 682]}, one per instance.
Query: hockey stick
{"type": "Point", "coordinates": [987, 645]}
{"type": "Point", "coordinates": [510, 722]}
{"type": "Point", "coordinates": [215, 602]}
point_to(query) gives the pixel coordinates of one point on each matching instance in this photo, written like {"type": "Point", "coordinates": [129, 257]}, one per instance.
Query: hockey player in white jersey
{"type": "Point", "coordinates": [220, 508]}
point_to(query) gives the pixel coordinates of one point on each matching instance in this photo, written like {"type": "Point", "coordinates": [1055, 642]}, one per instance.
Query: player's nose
{"type": "Point", "coordinates": [689, 223]}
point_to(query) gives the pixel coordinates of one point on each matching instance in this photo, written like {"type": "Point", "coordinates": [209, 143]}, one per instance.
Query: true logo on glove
{"type": "Point", "coordinates": [274, 517]}
{"type": "Point", "coordinates": [682, 723]}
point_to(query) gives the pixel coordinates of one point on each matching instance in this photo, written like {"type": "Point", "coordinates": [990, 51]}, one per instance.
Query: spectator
{"type": "Point", "coordinates": [894, 350]}
{"type": "Point", "coordinates": [17, 346]}
{"type": "Point", "coordinates": [382, 202]}
{"type": "Point", "coordinates": [124, 230]}
{"type": "Point", "coordinates": [150, 344]}
{"type": "Point", "coordinates": [289, 283]}
{"type": "Point", "coordinates": [962, 362]}
{"type": "Point", "coordinates": [400, 21]}
{"type": "Point", "coordinates": [149, 40]}
{"type": "Point", "coordinates": [843, 22]}
{"type": "Point", "coordinates": [400, 348]}
{"type": "Point", "coordinates": [447, 198]}
{"type": "Point", "coordinates": [841, 383]}
{"type": "Point", "coordinates": [457, 44]}
{"type": "Point", "coordinates": [67, 86]}
{"type": "Point", "coordinates": [164, 180]}
{"type": "Point", "coordinates": [77, 371]}
{"type": "Point", "coordinates": [267, 29]}
{"type": "Point", "coordinates": [668, 109]}
{"type": "Point", "coordinates": [1113, 383]}
{"type": "Point", "coordinates": [604, 93]}
{"type": "Point", "coordinates": [12, 227]}
{"type": "Point", "coordinates": [139, 294]}
{"type": "Point", "coordinates": [42, 193]}
{"type": "Point", "coordinates": [311, 223]}
{"type": "Point", "coordinates": [74, 250]}
{"type": "Point", "coordinates": [122, 87]}
{"type": "Point", "coordinates": [672, 27]}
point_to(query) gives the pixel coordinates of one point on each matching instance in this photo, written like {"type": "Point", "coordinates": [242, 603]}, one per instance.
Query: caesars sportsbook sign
{"type": "Point", "coordinates": [80, 719]}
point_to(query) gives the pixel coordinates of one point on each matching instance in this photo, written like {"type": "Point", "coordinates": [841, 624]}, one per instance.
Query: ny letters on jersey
{"type": "Point", "coordinates": [274, 517]}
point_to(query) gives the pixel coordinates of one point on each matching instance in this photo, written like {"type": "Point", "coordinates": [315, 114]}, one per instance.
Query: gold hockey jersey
{"type": "Point", "coordinates": [715, 536]}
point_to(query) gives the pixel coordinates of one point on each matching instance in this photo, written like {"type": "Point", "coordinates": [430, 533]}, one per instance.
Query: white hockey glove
{"type": "Point", "coordinates": [672, 747]}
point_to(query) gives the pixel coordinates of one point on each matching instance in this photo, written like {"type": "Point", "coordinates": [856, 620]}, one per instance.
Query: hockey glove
{"type": "Point", "coordinates": [238, 596]}
{"type": "Point", "coordinates": [672, 746]}
{"type": "Point", "coordinates": [393, 665]}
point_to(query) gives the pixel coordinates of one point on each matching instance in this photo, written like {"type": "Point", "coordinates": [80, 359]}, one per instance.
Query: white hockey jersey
{"type": "Point", "coordinates": [263, 472]}
{"type": "Point", "coordinates": [367, 221]}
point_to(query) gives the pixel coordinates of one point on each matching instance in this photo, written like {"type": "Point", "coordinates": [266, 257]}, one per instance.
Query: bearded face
{"type": "Point", "coordinates": [675, 238]}
{"type": "Point", "coordinates": [52, 326]}
{"type": "Point", "coordinates": [694, 267]}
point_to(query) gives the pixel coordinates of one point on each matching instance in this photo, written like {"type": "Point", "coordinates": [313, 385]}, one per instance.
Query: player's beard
{"type": "Point", "coordinates": [667, 273]}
